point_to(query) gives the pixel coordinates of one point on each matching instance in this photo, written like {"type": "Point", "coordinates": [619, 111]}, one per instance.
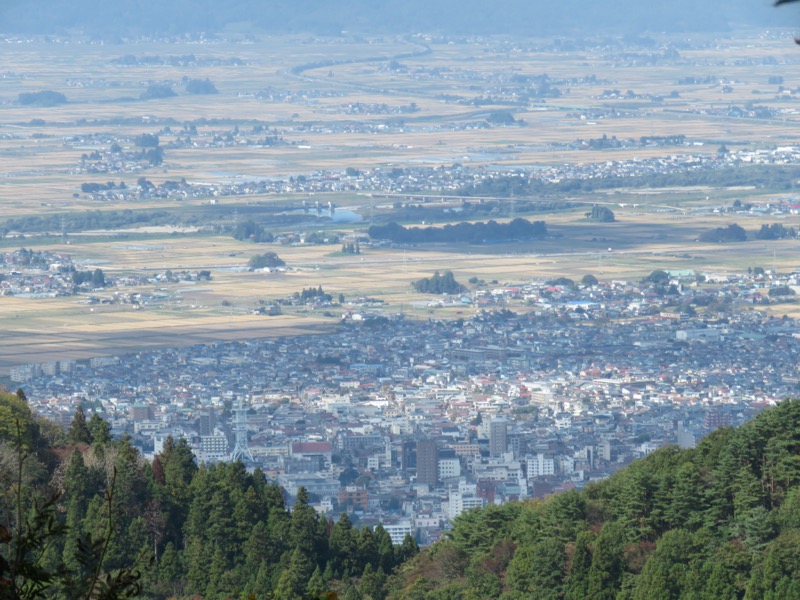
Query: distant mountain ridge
{"type": "Point", "coordinates": [125, 17]}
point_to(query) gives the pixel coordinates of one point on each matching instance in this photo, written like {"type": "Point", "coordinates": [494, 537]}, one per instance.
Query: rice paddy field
{"type": "Point", "coordinates": [381, 103]}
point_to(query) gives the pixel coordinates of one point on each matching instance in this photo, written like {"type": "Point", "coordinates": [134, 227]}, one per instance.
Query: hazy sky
{"type": "Point", "coordinates": [119, 17]}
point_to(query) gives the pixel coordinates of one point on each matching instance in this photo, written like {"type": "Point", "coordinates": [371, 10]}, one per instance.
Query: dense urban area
{"type": "Point", "coordinates": [409, 423]}
{"type": "Point", "coordinates": [435, 312]}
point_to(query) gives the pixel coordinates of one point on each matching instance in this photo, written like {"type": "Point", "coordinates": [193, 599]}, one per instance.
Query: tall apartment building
{"type": "Point", "coordinates": [498, 437]}
{"type": "Point", "coordinates": [427, 462]}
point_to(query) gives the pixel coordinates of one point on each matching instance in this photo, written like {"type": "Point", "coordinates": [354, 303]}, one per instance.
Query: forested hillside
{"type": "Point", "coordinates": [165, 529]}
{"type": "Point", "coordinates": [721, 521]}
{"type": "Point", "coordinates": [85, 512]}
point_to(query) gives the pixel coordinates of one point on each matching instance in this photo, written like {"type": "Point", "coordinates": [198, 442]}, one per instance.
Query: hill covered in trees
{"type": "Point", "coordinates": [721, 521]}
{"type": "Point", "coordinates": [85, 516]}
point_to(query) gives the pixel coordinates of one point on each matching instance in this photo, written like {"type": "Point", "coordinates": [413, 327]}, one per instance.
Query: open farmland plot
{"type": "Point", "coordinates": [375, 127]}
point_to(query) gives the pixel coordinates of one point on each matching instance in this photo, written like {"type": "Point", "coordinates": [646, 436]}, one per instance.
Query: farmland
{"type": "Point", "coordinates": [327, 136]}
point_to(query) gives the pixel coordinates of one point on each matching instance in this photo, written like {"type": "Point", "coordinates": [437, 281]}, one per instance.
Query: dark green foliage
{"type": "Point", "coordinates": [93, 219]}
{"type": "Point", "coordinates": [200, 86]}
{"type": "Point", "coordinates": [122, 527]}
{"type": "Point", "coordinates": [731, 233]}
{"type": "Point", "coordinates": [577, 583]}
{"type": "Point", "coordinates": [589, 280]}
{"type": "Point", "coordinates": [250, 230]}
{"type": "Point", "coordinates": [501, 117]}
{"type": "Point", "coordinates": [472, 233]}
{"type": "Point", "coordinates": [78, 430]}
{"type": "Point", "coordinates": [606, 572]}
{"type": "Point", "coordinates": [146, 140]}
{"type": "Point", "coordinates": [782, 290]}
{"type": "Point", "coordinates": [762, 176]}
{"type": "Point", "coordinates": [657, 277]}
{"type": "Point", "coordinates": [719, 521]}
{"type": "Point", "coordinates": [538, 571]}
{"type": "Point", "coordinates": [775, 231]}
{"type": "Point", "coordinates": [33, 531]}
{"type": "Point", "coordinates": [779, 575]}
{"type": "Point", "coordinates": [95, 278]}
{"type": "Point", "coordinates": [99, 430]}
{"type": "Point", "coordinates": [316, 294]}
{"type": "Point", "coordinates": [351, 248]}
{"type": "Point", "coordinates": [601, 214]}
{"type": "Point", "coordinates": [157, 91]}
{"type": "Point", "coordinates": [439, 284]}
{"type": "Point", "coordinates": [45, 98]}
{"type": "Point", "coordinates": [266, 260]}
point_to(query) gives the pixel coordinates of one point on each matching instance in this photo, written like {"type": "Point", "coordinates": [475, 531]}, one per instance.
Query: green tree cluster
{"type": "Point", "coordinates": [96, 278]}
{"type": "Point", "coordinates": [775, 177]}
{"type": "Point", "coordinates": [731, 233]}
{"type": "Point", "coordinates": [312, 294]}
{"type": "Point", "coordinates": [472, 233]}
{"type": "Point", "coordinates": [351, 248]}
{"type": "Point", "coordinates": [775, 231]}
{"type": "Point", "coordinates": [601, 214]}
{"type": "Point", "coordinates": [103, 523]}
{"type": "Point", "coordinates": [444, 283]}
{"type": "Point", "coordinates": [45, 98]}
{"type": "Point", "coordinates": [201, 86]}
{"type": "Point", "coordinates": [250, 230]}
{"type": "Point", "coordinates": [266, 260]}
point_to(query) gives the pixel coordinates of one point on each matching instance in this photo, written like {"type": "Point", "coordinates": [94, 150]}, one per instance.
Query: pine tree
{"type": "Point", "coordinates": [605, 574]}
{"type": "Point", "coordinates": [99, 430]}
{"type": "Point", "coordinates": [577, 582]}
{"type": "Point", "coordinates": [367, 550]}
{"type": "Point", "coordinates": [664, 573]}
{"type": "Point", "coordinates": [343, 548]}
{"type": "Point", "coordinates": [386, 554]}
{"type": "Point", "coordinates": [408, 549]}
{"type": "Point", "coordinates": [78, 430]}
{"type": "Point", "coordinates": [538, 570]}
{"type": "Point", "coordinates": [316, 585]}
{"type": "Point", "coordinates": [305, 529]}
{"type": "Point", "coordinates": [170, 574]}
{"type": "Point", "coordinates": [294, 579]}
{"type": "Point", "coordinates": [373, 584]}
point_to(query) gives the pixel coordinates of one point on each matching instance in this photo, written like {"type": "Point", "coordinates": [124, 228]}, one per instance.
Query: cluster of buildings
{"type": "Point", "coordinates": [410, 423]}
{"type": "Point", "coordinates": [42, 274]}
{"type": "Point", "coordinates": [451, 179]}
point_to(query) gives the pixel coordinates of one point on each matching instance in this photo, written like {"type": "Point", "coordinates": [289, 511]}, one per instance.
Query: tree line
{"type": "Point", "coordinates": [91, 219]}
{"type": "Point", "coordinates": [736, 233]}
{"type": "Point", "coordinates": [472, 233]}
{"type": "Point", "coordinates": [762, 176]}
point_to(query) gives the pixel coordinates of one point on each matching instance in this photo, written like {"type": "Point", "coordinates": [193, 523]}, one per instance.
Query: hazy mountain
{"type": "Point", "coordinates": [122, 17]}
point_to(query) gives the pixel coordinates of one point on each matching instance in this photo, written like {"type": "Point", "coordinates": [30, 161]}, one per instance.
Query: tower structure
{"type": "Point", "coordinates": [240, 449]}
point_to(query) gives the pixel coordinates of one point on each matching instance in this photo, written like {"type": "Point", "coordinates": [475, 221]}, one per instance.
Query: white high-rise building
{"type": "Point", "coordinates": [539, 466]}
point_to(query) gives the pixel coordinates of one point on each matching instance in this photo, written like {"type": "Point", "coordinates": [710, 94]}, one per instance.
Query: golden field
{"type": "Point", "coordinates": [41, 149]}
